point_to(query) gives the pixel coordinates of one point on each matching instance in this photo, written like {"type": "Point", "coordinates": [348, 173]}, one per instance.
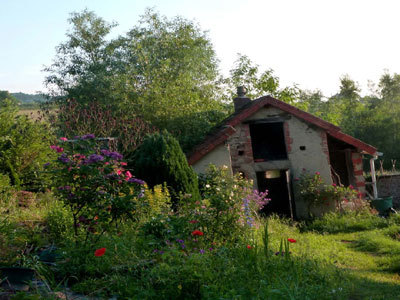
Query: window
{"type": "Point", "coordinates": [268, 141]}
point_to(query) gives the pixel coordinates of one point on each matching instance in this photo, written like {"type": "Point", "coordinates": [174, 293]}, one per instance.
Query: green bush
{"type": "Point", "coordinates": [160, 159]}
{"type": "Point", "coordinates": [24, 148]}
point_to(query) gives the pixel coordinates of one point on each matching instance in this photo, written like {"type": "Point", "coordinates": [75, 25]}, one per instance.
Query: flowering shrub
{"type": "Point", "coordinates": [316, 193]}
{"type": "Point", "coordinates": [93, 183]}
{"type": "Point", "coordinates": [229, 206]}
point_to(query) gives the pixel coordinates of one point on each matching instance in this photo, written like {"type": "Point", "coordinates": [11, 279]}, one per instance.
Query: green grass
{"type": "Point", "coordinates": [336, 257]}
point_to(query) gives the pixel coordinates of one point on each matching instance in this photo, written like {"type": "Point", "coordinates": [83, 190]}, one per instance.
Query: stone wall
{"type": "Point", "coordinates": [389, 185]}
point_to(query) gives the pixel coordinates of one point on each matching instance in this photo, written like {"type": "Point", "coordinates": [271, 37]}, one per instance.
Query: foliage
{"type": "Point", "coordinates": [316, 193]}
{"type": "Point", "coordinates": [350, 221]}
{"type": "Point", "coordinates": [246, 73]}
{"type": "Point", "coordinates": [74, 118]}
{"type": "Point", "coordinates": [160, 159]}
{"type": "Point", "coordinates": [24, 148]}
{"type": "Point", "coordinates": [163, 70]}
{"type": "Point", "coordinates": [228, 202]}
{"type": "Point", "coordinates": [95, 186]}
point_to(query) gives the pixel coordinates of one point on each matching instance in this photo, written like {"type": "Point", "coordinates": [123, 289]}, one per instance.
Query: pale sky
{"type": "Point", "coordinates": [308, 42]}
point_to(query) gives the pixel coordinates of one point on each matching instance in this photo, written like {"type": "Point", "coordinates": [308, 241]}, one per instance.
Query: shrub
{"type": "Point", "coordinates": [316, 193]}
{"type": "Point", "coordinates": [95, 186]}
{"type": "Point", "coordinates": [229, 206]}
{"type": "Point", "coordinates": [160, 159]}
{"type": "Point", "coordinates": [73, 118]}
{"type": "Point", "coordinates": [5, 188]}
{"type": "Point", "coordinates": [24, 148]}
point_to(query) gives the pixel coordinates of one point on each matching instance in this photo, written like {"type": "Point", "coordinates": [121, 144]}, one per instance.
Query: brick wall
{"type": "Point", "coordinates": [356, 159]}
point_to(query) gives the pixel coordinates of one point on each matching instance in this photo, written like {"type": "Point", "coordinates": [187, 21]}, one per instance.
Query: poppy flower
{"type": "Point", "coordinates": [197, 232]}
{"type": "Point", "coordinates": [100, 252]}
{"type": "Point", "coordinates": [292, 240]}
{"type": "Point", "coordinates": [248, 247]}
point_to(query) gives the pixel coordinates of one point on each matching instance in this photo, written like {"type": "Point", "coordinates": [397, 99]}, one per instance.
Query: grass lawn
{"type": "Point", "coordinates": [338, 257]}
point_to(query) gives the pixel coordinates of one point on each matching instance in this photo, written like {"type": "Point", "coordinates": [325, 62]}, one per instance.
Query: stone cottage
{"type": "Point", "coordinates": [271, 142]}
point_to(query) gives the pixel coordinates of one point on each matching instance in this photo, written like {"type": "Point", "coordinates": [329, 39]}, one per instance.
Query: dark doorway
{"type": "Point", "coordinates": [277, 182]}
{"type": "Point", "coordinates": [268, 141]}
{"type": "Point", "coordinates": [340, 160]}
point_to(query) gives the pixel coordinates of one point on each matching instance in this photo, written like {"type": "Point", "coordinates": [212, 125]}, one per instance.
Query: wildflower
{"type": "Point", "coordinates": [96, 218]}
{"type": "Point", "coordinates": [197, 232]}
{"type": "Point", "coordinates": [291, 240]}
{"type": "Point", "coordinates": [123, 164]}
{"type": "Point", "coordinates": [136, 180]}
{"type": "Point", "coordinates": [100, 252]}
{"type": "Point", "coordinates": [351, 187]}
{"type": "Point", "coordinates": [334, 184]}
{"type": "Point", "coordinates": [248, 247]}
{"type": "Point", "coordinates": [180, 241]}
{"type": "Point", "coordinates": [64, 139]}
{"type": "Point", "coordinates": [317, 173]}
{"type": "Point", "coordinates": [201, 251]}
{"type": "Point", "coordinates": [211, 249]}
{"type": "Point", "coordinates": [88, 136]}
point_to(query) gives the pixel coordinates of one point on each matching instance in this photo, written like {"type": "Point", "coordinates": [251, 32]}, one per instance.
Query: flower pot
{"type": "Point", "coordinates": [382, 204]}
{"type": "Point", "coordinates": [16, 278]}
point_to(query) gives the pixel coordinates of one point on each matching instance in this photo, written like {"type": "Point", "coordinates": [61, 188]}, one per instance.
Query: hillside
{"type": "Point", "coordinates": [29, 98]}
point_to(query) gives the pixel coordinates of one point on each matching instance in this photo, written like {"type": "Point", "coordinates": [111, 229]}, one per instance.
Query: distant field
{"type": "Point", "coordinates": [31, 113]}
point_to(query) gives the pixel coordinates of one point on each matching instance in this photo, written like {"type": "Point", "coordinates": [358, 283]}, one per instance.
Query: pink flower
{"type": "Point", "coordinates": [119, 172]}
{"type": "Point", "coordinates": [333, 184]}
{"type": "Point", "coordinates": [128, 175]}
{"type": "Point", "coordinates": [124, 164]}
{"type": "Point", "coordinates": [351, 187]}
{"type": "Point", "coordinates": [317, 173]}
{"type": "Point", "coordinates": [64, 139]}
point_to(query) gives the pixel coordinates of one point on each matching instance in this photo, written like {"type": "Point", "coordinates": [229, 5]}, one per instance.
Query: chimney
{"type": "Point", "coordinates": [241, 100]}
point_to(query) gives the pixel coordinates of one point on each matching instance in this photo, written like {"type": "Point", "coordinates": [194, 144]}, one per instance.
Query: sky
{"type": "Point", "coordinates": [311, 43]}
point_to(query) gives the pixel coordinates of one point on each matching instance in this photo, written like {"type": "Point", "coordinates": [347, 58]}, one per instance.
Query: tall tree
{"type": "Point", "coordinates": [162, 70]}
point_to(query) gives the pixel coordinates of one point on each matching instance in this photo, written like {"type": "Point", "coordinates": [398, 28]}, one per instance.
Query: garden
{"type": "Point", "coordinates": [80, 221]}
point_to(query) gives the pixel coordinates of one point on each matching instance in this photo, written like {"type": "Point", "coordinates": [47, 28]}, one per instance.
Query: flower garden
{"type": "Point", "coordinates": [100, 232]}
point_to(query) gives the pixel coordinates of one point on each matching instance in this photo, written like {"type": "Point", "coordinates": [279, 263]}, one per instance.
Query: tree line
{"type": "Point", "coordinates": [166, 73]}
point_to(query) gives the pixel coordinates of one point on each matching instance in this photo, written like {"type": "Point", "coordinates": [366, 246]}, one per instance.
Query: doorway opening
{"type": "Point", "coordinates": [278, 184]}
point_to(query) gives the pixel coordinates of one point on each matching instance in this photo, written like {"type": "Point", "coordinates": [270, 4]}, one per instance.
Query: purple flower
{"type": "Point", "coordinates": [136, 180]}
{"type": "Point", "coordinates": [201, 251]}
{"type": "Point", "coordinates": [64, 159]}
{"type": "Point", "coordinates": [105, 152]}
{"type": "Point", "coordinates": [88, 136]}
{"type": "Point", "coordinates": [180, 241]}
{"type": "Point", "coordinates": [211, 249]}
{"type": "Point", "coordinates": [46, 165]}
{"type": "Point", "coordinates": [94, 158]}
{"type": "Point", "coordinates": [115, 155]}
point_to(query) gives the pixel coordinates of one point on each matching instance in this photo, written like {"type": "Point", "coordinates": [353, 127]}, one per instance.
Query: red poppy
{"type": "Point", "coordinates": [248, 247]}
{"type": "Point", "coordinates": [292, 240]}
{"type": "Point", "coordinates": [193, 221]}
{"type": "Point", "coordinates": [197, 232]}
{"type": "Point", "coordinates": [100, 252]}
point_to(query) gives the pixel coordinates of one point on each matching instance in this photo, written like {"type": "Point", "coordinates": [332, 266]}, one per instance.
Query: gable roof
{"type": "Point", "coordinates": [226, 129]}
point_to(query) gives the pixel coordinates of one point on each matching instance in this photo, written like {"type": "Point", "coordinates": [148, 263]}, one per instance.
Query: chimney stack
{"type": "Point", "coordinates": [241, 99]}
